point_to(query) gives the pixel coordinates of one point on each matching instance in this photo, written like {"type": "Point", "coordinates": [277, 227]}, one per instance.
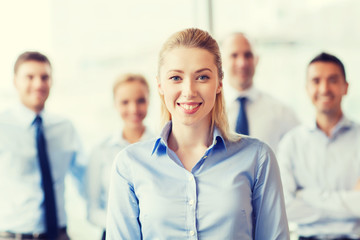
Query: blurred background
{"type": "Point", "coordinates": [91, 42]}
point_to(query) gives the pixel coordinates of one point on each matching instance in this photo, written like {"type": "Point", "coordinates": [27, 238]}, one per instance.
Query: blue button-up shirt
{"type": "Point", "coordinates": [233, 192]}
{"type": "Point", "coordinates": [22, 197]}
{"type": "Point", "coordinates": [319, 174]}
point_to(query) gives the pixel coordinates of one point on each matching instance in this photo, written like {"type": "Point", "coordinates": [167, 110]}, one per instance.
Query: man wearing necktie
{"type": "Point", "coordinates": [251, 111]}
{"type": "Point", "coordinates": [36, 151]}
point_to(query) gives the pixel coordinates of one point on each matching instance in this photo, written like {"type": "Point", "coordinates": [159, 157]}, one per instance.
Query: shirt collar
{"type": "Point", "coordinates": [343, 124]}
{"type": "Point", "coordinates": [218, 140]}
{"type": "Point", "coordinates": [26, 117]}
{"type": "Point", "coordinates": [251, 93]}
{"type": "Point", "coordinates": [161, 142]}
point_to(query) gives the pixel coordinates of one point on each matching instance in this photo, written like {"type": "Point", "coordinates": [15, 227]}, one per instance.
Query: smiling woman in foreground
{"type": "Point", "coordinates": [196, 180]}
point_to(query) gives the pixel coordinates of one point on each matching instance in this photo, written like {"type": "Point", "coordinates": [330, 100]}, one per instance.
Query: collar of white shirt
{"type": "Point", "coordinates": [232, 94]}
{"type": "Point", "coordinates": [25, 117]}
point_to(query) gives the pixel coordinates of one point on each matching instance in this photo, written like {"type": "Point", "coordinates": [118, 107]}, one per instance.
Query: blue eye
{"type": "Point", "coordinates": [203, 77]}
{"type": "Point", "coordinates": [175, 78]}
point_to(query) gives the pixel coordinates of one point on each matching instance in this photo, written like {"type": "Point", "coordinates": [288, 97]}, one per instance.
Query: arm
{"type": "Point", "coordinates": [123, 205]}
{"type": "Point", "coordinates": [96, 213]}
{"type": "Point", "coordinates": [342, 204]}
{"type": "Point", "coordinates": [308, 205]}
{"type": "Point", "coordinates": [297, 210]}
{"type": "Point", "coordinates": [268, 201]}
{"type": "Point", "coordinates": [78, 163]}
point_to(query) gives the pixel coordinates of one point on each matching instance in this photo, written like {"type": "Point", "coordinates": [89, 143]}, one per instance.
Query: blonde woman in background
{"type": "Point", "coordinates": [197, 180]}
{"type": "Point", "coordinates": [131, 100]}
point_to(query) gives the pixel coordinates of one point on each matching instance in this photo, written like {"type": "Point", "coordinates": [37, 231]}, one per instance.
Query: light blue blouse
{"type": "Point", "coordinates": [233, 192]}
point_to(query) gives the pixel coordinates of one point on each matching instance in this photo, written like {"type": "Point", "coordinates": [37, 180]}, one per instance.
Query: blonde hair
{"type": "Point", "coordinates": [129, 77]}
{"type": "Point", "coordinates": [196, 38]}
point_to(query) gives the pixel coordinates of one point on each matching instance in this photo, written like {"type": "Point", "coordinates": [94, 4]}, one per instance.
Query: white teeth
{"type": "Point", "coordinates": [189, 107]}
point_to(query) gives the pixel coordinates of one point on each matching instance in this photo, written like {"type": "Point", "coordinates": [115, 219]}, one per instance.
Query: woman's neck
{"type": "Point", "coordinates": [190, 136]}
{"type": "Point", "coordinates": [190, 142]}
{"type": "Point", "coordinates": [133, 134]}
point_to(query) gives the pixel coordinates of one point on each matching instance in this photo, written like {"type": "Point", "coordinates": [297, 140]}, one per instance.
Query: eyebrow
{"type": "Point", "coordinates": [197, 71]}
{"type": "Point", "coordinates": [203, 69]}
{"type": "Point", "coordinates": [174, 70]}
{"type": "Point", "coordinates": [335, 75]}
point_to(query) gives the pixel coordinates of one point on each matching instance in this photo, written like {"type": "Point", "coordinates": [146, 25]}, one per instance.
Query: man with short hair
{"type": "Point", "coordinates": [250, 111]}
{"type": "Point", "coordinates": [36, 151]}
{"type": "Point", "coordinates": [320, 163]}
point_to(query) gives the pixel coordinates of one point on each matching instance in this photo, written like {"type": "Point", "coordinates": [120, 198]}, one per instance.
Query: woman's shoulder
{"type": "Point", "coordinates": [245, 141]}
{"type": "Point", "coordinates": [252, 147]}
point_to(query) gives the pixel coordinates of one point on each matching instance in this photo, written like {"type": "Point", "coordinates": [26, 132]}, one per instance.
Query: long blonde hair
{"type": "Point", "coordinates": [197, 38]}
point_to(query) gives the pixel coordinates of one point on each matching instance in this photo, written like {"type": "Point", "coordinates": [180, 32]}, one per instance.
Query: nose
{"type": "Point", "coordinates": [189, 88]}
{"type": "Point", "coordinates": [324, 87]}
{"type": "Point", "coordinates": [38, 82]}
{"type": "Point", "coordinates": [133, 107]}
{"type": "Point", "coordinates": [241, 61]}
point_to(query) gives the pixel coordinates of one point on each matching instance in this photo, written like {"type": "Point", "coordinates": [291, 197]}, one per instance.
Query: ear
{"type": "Point", "coordinates": [346, 88]}
{"type": "Point", "coordinates": [219, 87]}
{"type": "Point", "coordinates": [160, 90]}
{"type": "Point", "coordinates": [256, 60]}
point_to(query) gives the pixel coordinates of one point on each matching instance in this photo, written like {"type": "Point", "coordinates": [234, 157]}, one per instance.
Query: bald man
{"type": "Point", "coordinates": [267, 118]}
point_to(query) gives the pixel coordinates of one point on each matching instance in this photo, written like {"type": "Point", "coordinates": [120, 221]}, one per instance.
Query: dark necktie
{"type": "Point", "coordinates": [242, 123]}
{"type": "Point", "coordinates": [47, 182]}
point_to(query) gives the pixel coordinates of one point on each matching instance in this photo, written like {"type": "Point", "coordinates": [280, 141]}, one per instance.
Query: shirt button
{"type": "Point", "coordinates": [191, 178]}
{"type": "Point", "coordinates": [192, 233]}
{"type": "Point", "coordinates": [204, 157]}
{"type": "Point", "coordinates": [191, 202]}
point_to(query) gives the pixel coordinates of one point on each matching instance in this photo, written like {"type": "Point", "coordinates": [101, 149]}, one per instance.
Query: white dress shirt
{"type": "Point", "coordinates": [98, 174]}
{"type": "Point", "coordinates": [268, 118]}
{"type": "Point", "coordinates": [22, 198]}
{"type": "Point", "coordinates": [319, 174]}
